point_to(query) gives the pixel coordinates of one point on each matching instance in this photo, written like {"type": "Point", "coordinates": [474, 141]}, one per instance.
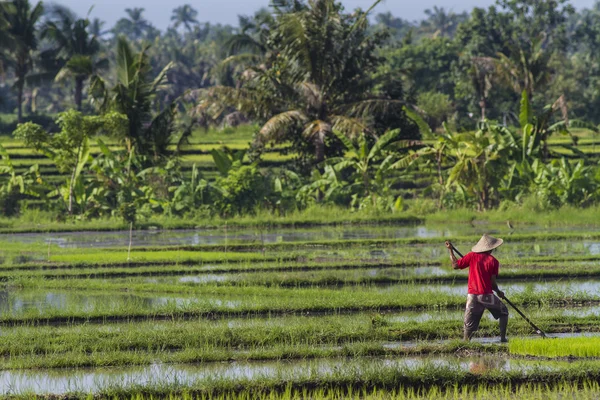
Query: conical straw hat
{"type": "Point", "coordinates": [486, 243]}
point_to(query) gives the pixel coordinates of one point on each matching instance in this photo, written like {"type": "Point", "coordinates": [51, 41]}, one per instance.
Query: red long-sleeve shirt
{"type": "Point", "coordinates": [481, 268]}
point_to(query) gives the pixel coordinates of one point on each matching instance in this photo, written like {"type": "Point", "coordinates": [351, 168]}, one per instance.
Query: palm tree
{"type": "Point", "coordinates": [133, 96]}
{"type": "Point", "coordinates": [23, 20]}
{"type": "Point", "coordinates": [481, 73]}
{"type": "Point", "coordinates": [76, 48]}
{"type": "Point", "coordinates": [184, 15]}
{"type": "Point", "coordinates": [443, 23]}
{"type": "Point", "coordinates": [194, 63]}
{"type": "Point", "coordinates": [134, 27]}
{"type": "Point", "coordinates": [5, 38]}
{"type": "Point", "coordinates": [316, 77]}
{"type": "Point", "coordinates": [96, 28]}
{"type": "Point", "coordinates": [526, 67]}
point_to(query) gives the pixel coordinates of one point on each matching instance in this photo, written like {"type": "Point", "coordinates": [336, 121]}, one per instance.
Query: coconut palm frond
{"type": "Point", "coordinates": [244, 59]}
{"type": "Point", "coordinates": [276, 127]}
{"type": "Point", "coordinates": [316, 129]}
{"type": "Point", "coordinates": [312, 94]}
{"type": "Point", "coordinates": [296, 41]}
{"type": "Point", "coordinates": [243, 42]}
{"type": "Point", "coordinates": [374, 107]}
{"type": "Point", "coordinates": [351, 127]}
{"type": "Point", "coordinates": [217, 99]}
{"type": "Point", "coordinates": [362, 21]}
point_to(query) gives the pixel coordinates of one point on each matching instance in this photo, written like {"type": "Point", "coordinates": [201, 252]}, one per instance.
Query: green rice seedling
{"type": "Point", "coordinates": [171, 257]}
{"type": "Point", "coordinates": [582, 347]}
{"type": "Point", "coordinates": [184, 300]}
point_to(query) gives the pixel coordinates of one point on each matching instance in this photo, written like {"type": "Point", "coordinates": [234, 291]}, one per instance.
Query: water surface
{"type": "Point", "coordinates": [62, 381]}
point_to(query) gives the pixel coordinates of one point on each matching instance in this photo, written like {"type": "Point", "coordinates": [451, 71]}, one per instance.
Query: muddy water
{"type": "Point", "coordinates": [61, 381]}
{"type": "Point", "coordinates": [485, 340]}
{"type": "Point", "coordinates": [223, 236]}
{"type": "Point", "coordinates": [17, 303]}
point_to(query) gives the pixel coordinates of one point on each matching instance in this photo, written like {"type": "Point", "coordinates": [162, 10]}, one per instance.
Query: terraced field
{"type": "Point", "coordinates": [325, 312]}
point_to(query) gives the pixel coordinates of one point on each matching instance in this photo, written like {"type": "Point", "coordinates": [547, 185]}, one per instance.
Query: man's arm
{"type": "Point", "coordinates": [495, 287]}
{"type": "Point", "coordinates": [452, 256]}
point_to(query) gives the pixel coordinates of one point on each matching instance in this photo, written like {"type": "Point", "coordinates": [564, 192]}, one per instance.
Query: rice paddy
{"type": "Point", "coordinates": [336, 311]}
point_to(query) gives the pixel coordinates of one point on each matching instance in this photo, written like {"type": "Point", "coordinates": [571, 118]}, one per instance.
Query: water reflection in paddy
{"type": "Point", "coordinates": [590, 287]}
{"type": "Point", "coordinates": [276, 235]}
{"type": "Point", "coordinates": [61, 381]}
{"type": "Point", "coordinates": [44, 301]}
{"type": "Point", "coordinates": [343, 274]}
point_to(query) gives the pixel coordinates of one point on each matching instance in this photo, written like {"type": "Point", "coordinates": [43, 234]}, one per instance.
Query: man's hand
{"type": "Point", "coordinates": [500, 293]}
{"type": "Point", "coordinates": [452, 256]}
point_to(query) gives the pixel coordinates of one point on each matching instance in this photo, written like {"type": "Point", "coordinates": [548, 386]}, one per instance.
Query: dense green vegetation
{"type": "Point", "coordinates": [259, 210]}
{"type": "Point", "coordinates": [375, 117]}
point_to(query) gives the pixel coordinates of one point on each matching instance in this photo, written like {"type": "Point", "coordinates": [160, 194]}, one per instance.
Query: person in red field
{"type": "Point", "coordinates": [483, 271]}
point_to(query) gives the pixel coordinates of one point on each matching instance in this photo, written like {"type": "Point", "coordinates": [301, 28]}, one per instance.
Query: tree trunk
{"type": "Point", "coordinates": [71, 194]}
{"type": "Point", "coordinates": [78, 91]}
{"type": "Point", "coordinates": [483, 106]}
{"type": "Point", "coordinates": [439, 168]}
{"type": "Point", "coordinates": [72, 182]}
{"type": "Point", "coordinates": [20, 86]}
{"type": "Point", "coordinates": [319, 147]}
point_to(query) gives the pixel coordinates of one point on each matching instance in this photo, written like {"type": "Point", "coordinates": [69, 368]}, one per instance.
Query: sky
{"type": "Point", "coordinates": [226, 11]}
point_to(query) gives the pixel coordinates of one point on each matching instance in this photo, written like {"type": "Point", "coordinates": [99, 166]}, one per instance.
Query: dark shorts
{"type": "Point", "coordinates": [477, 304]}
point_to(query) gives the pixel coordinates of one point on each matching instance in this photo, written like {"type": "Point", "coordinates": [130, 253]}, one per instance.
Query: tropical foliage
{"type": "Point", "coordinates": [471, 110]}
{"type": "Point", "coordinates": [316, 76]}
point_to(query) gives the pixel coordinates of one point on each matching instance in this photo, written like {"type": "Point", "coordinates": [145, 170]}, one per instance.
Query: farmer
{"type": "Point", "coordinates": [483, 271]}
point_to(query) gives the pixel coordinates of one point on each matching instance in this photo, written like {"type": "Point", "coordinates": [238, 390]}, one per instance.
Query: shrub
{"type": "Point", "coordinates": [244, 188]}
{"type": "Point", "coordinates": [437, 106]}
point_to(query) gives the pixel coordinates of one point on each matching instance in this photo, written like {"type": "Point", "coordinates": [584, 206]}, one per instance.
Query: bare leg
{"type": "Point", "coordinates": [467, 334]}
{"type": "Point", "coordinates": [503, 326]}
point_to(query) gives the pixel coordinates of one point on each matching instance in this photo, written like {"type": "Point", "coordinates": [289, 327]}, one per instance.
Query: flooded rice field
{"type": "Point", "coordinates": [15, 303]}
{"type": "Point", "coordinates": [138, 324]}
{"type": "Point", "coordinates": [63, 381]}
{"type": "Point", "coordinates": [221, 236]}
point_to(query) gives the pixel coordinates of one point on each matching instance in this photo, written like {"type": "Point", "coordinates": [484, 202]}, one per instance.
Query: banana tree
{"type": "Point", "coordinates": [537, 129]}
{"type": "Point", "coordinates": [133, 95]}
{"type": "Point", "coordinates": [369, 164]}
{"type": "Point", "coordinates": [189, 195]}
{"type": "Point", "coordinates": [69, 149]}
{"type": "Point", "coordinates": [122, 187]}
{"type": "Point", "coordinates": [361, 172]}
{"type": "Point", "coordinates": [560, 182]}
{"type": "Point", "coordinates": [16, 186]}
{"type": "Point", "coordinates": [227, 159]}
{"type": "Point", "coordinates": [328, 186]}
